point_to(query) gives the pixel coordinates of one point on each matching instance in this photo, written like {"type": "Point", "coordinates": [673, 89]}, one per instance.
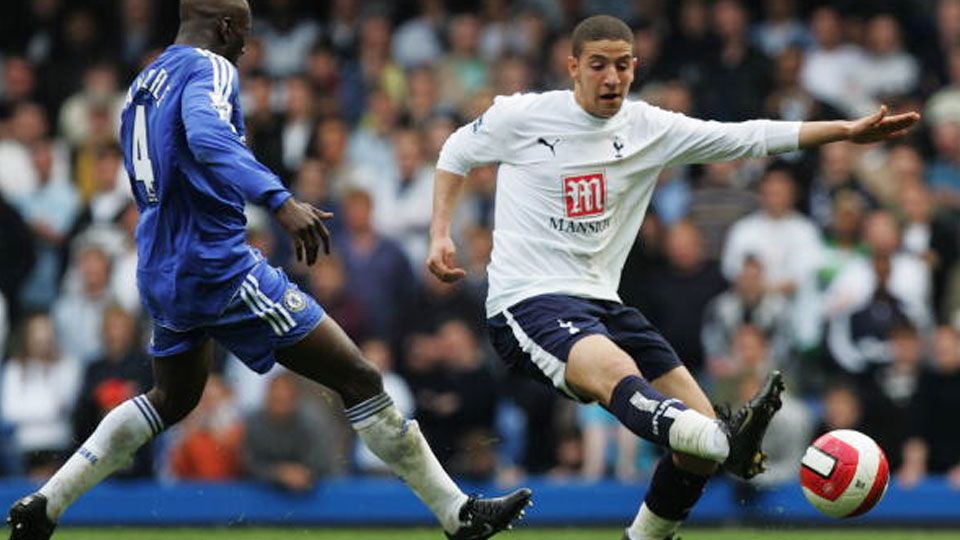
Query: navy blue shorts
{"type": "Point", "coordinates": [267, 313]}
{"type": "Point", "coordinates": [534, 337]}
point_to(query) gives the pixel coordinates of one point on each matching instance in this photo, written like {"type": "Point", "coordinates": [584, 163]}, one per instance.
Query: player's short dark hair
{"type": "Point", "coordinates": [600, 27]}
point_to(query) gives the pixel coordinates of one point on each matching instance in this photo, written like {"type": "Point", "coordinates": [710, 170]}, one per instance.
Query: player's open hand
{"type": "Point", "coordinates": [442, 261]}
{"type": "Point", "coordinates": [881, 126]}
{"type": "Point", "coordinates": [304, 223]}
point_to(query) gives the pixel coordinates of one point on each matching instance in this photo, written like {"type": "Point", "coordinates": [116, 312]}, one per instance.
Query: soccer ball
{"type": "Point", "coordinates": [844, 473]}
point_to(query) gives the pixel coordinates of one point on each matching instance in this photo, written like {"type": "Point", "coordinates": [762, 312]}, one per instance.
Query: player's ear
{"type": "Point", "coordinates": [573, 67]}
{"type": "Point", "coordinates": [225, 28]}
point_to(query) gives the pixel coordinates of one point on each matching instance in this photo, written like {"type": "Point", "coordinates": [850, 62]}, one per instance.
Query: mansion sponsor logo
{"type": "Point", "coordinates": [585, 195]}
{"type": "Point", "coordinates": [580, 227]}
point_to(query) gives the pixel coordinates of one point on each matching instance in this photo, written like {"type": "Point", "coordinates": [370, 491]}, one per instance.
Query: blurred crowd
{"type": "Point", "coordinates": [838, 266]}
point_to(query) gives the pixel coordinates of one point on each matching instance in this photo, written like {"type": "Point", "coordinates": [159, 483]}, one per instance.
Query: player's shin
{"type": "Point", "coordinates": [121, 432]}
{"type": "Point", "coordinates": [399, 443]}
{"type": "Point", "coordinates": [672, 494]}
{"type": "Point", "coordinates": [667, 421]}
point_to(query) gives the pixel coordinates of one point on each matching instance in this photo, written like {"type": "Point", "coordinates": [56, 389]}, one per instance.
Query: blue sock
{"type": "Point", "coordinates": [673, 491]}
{"type": "Point", "coordinates": [644, 410]}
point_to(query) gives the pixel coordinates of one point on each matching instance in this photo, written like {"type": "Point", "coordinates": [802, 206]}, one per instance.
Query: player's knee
{"type": "Point", "coordinates": [696, 465]}
{"type": "Point", "coordinates": [361, 383]}
{"type": "Point", "coordinates": [173, 406]}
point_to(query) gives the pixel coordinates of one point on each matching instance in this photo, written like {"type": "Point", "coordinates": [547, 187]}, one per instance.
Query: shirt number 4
{"type": "Point", "coordinates": [142, 167]}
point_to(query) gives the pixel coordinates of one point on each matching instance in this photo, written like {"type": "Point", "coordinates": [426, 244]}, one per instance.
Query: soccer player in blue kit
{"type": "Point", "coordinates": [183, 139]}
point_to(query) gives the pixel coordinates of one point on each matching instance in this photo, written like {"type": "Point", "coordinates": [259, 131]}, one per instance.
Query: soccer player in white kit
{"type": "Point", "coordinates": [576, 173]}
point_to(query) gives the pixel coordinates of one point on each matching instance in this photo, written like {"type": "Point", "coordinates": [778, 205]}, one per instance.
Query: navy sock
{"type": "Point", "coordinates": [673, 491]}
{"type": "Point", "coordinates": [644, 410]}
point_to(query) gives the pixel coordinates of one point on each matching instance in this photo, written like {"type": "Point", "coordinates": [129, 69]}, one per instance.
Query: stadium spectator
{"type": "Point", "coordinates": [717, 203]}
{"type": "Point", "coordinates": [934, 446]}
{"type": "Point", "coordinates": [679, 293]}
{"type": "Point", "coordinates": [50, 211]}
{"type": "Point", "coordinates": [78, 314]}
{"type": "Point", "coordinates": [328, 284]}
{"type": "Point", "coordinates": [790, 261]}
{"type": "Point", "coordinates": [38, 387]}
{"type": "Point", "coordinates": [908, 282]}
{"type": "Point", "coordinates": [19, 81]}
{"type": "Point", "coordinates": [27, 125]}
{"type": "Point", "coordinates": [831, 67]}
{"type": "Point", "coordinates": [376, 268]}
{"type": "Point", "coordinates": [298, 121]}
{"type": "Point", "coordinates": [207, 444]}
{"type": "Point", "coordinates": [738, 75]}
{"type": "Point", "coordinates": [887, 71]}
{"type": "Point", "coordinates": [264, 125]}
{"type": "Point", "coordinates": [747, 302]}
{"type": "Point", "coordinates": [835, 174]}
{"type": "Point", "coordinates": [284, 445]}
{"type": "Point", "coordinates": [453, 389]}
{"type": "Point", "coordinates": [842, 408]}
{"type": "Point", "coordinates": [286, 35]}
{"type": "Point", "coordinates": [461, 73]}
{"type": "Point", "coordinates": [100, 90]}
{"type": "Point", "coordinates": [943, 174]}
{"type": "Point", "coordinates": [780, 28]}
{"type": "Point", "coordinates": [931, 237]}
{"type": "Point", "coordinates": [857, 338]}
{"type": "Point", "coordinates": [417, 42]}
{"type": "Point", "coordinates": [789, 100]}
{"type": "Point", "coordinates": [121, 372]}
{"type": "Point", "coordinates": [371, 149]}
{"type": "Point", "coordinates": [944, 104]}
{"type": "Point", "coordinates": [688, 43]}
{"type": "Point", "coordinates": [888, 391]}
{"type": "Point", "coordinates": [749, 358]}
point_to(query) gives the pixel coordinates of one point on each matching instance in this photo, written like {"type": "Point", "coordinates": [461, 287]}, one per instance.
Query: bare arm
{"type": "Point", "coordinates": [874, 128]}
{"type": "Point", "coordinates": [447, 188]}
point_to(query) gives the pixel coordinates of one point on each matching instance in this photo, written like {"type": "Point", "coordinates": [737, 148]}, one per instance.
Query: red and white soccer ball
{"type": "Point", "coordinates": [844, 473]}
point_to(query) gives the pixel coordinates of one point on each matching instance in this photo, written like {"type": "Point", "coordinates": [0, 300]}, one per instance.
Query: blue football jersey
{"type": "Point", "coordinates": [183, 144]}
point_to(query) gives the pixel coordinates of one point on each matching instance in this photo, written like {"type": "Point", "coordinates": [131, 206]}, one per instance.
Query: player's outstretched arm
{"type": "Point", "coordinates": [441, 261]}
{"type": "Point", "coordinates": [880, 126]}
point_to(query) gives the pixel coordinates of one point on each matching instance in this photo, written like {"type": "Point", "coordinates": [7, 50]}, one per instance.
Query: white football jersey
{"type": "Point", "coordinates": [572, 188]}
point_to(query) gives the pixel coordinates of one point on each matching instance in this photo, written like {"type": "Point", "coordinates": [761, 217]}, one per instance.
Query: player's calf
{"type": "Point", "coordinates": [667, 421]}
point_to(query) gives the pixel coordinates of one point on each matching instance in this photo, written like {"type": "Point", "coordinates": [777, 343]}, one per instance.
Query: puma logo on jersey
{"type": "Point", "coordinates": [549, 145]}
{"type": "Point", "coordinates": [569, 327]}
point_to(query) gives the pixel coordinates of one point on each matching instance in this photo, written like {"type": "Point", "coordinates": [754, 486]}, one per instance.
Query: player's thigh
{"type": "Point", "coordinates": [596, 365]}
{"type": "Point", "coordinates": [179, 380]}
{"type": "Point", "coordinates": [328, 356]}
{"type": "Point", "coordinates": [559, 339]}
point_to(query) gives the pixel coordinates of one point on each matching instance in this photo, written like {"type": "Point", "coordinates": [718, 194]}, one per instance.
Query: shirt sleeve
{"type": "Point", "coordinates": [214, 141]}
{"type": "Point", "coordinates": [480, 142]}
{"type": "Point", "coordinates": [689, 140]}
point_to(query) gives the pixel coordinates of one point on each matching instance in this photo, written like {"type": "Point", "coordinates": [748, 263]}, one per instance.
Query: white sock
{"type": "Point", "coordinates": [699, 435]}
{"type": "Point", "coordinates": [399, 443]}
{"type": "Point", "coordinates": [112, 445]}
{"type": "Point", "coordinates": [649, 526]}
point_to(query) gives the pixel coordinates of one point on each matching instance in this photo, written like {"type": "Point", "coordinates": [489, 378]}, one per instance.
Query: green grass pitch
{"type": "Point", "coordinates": [520, 534]}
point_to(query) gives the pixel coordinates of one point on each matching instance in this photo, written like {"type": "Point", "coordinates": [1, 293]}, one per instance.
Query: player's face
{"type": "Point", "coordinates": [602, 75]}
